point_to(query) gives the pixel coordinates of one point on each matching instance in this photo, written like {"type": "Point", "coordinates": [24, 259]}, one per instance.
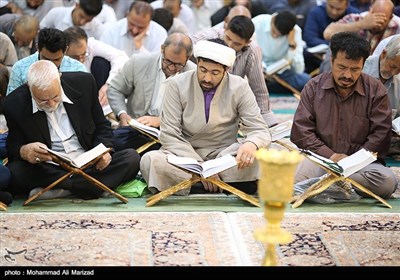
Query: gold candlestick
{"type": "Point", "coordinates": [275, 189]}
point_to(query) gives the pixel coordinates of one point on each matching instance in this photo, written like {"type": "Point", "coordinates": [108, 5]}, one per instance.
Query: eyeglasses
{"type": "Point", "coordinates": [40, 102]}
{"type": "Point", "coordinates": [168, 63]}
{"type": "Point", "coordinates": [80, 56]}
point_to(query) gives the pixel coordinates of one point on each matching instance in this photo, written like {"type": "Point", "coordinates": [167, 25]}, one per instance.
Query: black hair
{"type": "Point", "coordinates": [91, 7]}
{"type": "Point", "coordinates": [352, 44]}
{"type": "Point", "coordinates": [241, 26]}
{"type": "Point", "coordinates": [284, 22]}
{"type": "Point", "coordinates": [52, 39]}
{"type": "Point", "coordinates": [164, 18]}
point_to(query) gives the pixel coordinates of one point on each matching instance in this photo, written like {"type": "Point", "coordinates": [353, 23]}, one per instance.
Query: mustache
{"type": "Point", "coordinates": [346, 80]}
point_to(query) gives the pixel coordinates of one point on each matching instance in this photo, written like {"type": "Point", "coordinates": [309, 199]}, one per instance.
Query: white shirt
{"type": "Point", "coordinates": [116, 57]}
{"type": "Point", "coordinates": [186, 14]}
{"type": "Point", "coordinates": [202, 15]}
{"type": "Point", "coordinates": [274, 49]}
{"type": "Point", "coordinates": [118, 36]}
{"type": "Point", "coordinates": [107, 15]}
{"type": "Point", "coordinates": [41, 11]}
{"type": "Point", "coordinates": [61, 18]}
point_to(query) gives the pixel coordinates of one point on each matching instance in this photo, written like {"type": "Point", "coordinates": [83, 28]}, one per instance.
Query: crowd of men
{"type": "Point", "coordinates": [74, 73]}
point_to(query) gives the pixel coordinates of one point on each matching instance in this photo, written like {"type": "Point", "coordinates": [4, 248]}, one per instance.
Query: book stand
{"type": "Point", "coordinates": [324, 184]}
{"type": "Point", "coordinates": [283, 83]}
{"type": "Point", "coordinates": [3, 207]}
{"type": "Point", "coordinates": [78, 171]}
{"type": "Point", "coordinates": [197, 178]}
{"type": "Point", "coordinates": [145, 146]}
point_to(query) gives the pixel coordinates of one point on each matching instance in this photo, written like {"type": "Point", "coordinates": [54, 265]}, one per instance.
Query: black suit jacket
{"type": "Point", "coordinates": [85, 115]}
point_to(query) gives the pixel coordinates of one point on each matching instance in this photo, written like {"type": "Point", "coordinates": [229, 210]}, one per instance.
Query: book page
{"type": "Point", "coordinates": [90, 155]}
{"type": "Point", "coordinates": [277, 66]}
{"type": "Point", "coordinates": [281, 130]}
{"type": "Point", "coordinates": [356, 161]}
{"type": "Point", "coordinates": [214, 166]}
{"type": "Point", "coordinates": [321, 48]}
{"type": "Point", "coordinates": [186, 163]}
{"type": "Point", "coordinates": [396, 125]}
{"type": "Point", "coordinates": [149, 129]}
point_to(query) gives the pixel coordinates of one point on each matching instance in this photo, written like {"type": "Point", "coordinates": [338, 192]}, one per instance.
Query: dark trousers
{"type": "Point", "coordinates": [25, 176]}
{"type": "Point", "coordinates": [127, 137]}
{"type": "Point", "coordinates": [100, 69]}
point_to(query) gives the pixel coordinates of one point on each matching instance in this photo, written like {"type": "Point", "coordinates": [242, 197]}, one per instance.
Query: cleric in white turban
{"type": "Point", "coordinates": [216, 52]}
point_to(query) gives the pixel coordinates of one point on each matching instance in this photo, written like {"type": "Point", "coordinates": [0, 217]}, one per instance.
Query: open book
{"type": "Point", "coordinates": [84, 158]}
{"type": "Point", "coordinates": [205, 169]}
{"type": "Point", "coordinates": [281, 130]}
{"type": "Point", "coordinates": [277, 66]}
{"type": "Point", "coordinates": [396, 125]}
{"type": "Point", "coordinates": [145, 128]}
{"type": "Point", "coordinates": [321, 48]}
{"type": "Point", "coordinates": [347, 166]}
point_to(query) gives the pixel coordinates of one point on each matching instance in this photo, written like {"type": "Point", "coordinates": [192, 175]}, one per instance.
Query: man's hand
{"type": "Point", "coordinates": [138, 39]}
{"type": "Point", "coordinates": [124, 119]}
{"type": "Point", "coordinates": [374, 20]}
{"type": "Point", "coordinates": [210, 187]}
{"type": "Point", "coordinates": [245, 156]}
{"type": "Point", "coordinates": [103, 162]}
{"type": "Point", "coordinates": [149, 121]}
{"type": "Point", "coordinates": [336, 157]}
{"type": "Point", "coordinates": [103, 95]}
{"type": "Point", "coordinates": [34, 153]}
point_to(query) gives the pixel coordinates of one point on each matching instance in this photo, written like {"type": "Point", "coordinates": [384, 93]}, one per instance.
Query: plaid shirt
{"type": "Point", "coordinates": [392, 29]}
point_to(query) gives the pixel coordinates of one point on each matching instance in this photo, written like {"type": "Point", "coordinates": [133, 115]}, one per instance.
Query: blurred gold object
{"type": "Point", "coordinates": [275, 189]}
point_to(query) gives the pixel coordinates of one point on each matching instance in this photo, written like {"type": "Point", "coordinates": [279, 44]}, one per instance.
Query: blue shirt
{"type": "Point", "coordinates": [20, 69]}
{"type": "Point", "coordinates": [317, 21]}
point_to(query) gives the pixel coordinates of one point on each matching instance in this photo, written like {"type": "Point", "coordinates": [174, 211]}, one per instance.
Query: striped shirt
{"type": "Point", "coordinates": [248, 64]}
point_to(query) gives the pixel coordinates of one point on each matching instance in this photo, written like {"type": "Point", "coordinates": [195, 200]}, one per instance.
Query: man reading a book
{"type": "Point", "coordinates": [201, 113]}
{"type": "Point", "coordinates": [343, 111]}
{"type": "Point", "coordinates": [62, 114]}
{"type": "Point", "coordinates": [141, 82]}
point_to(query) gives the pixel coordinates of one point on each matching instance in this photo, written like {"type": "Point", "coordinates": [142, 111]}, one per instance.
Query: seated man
{"type": "Point", "coordinates": [65, 115]}
{"type": "Point", "coordinates": [237, 35]}
{"type": "Point", "coordinates": [385, 67]}
{"type": "Point", "coordinates": [52, 44]}
{"type": "Point", "coordinates": [200, 118]}
{"type": "Point", "coordinates": [141, 81]}
{"type": "Point", "coordinates": [343, 111]}
{"type": "Point", "coordinates": [279, 37]}
{"type": "Point", "coordinates": [100, 59]}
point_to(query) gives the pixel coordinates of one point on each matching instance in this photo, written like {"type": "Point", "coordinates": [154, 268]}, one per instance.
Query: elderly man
{"type": "Point", "coordinates": [201, 113]}
{"type": "Point", "coordinates": [343, 111]}
{"type": "Point", "coordinates": [142, 81]}
{"type": "Point", "coordinates": [63, 114]}
{"type": "Point", "coordinates": [384, 65]}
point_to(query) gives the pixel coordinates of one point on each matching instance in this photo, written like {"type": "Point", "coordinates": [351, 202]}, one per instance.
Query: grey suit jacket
{"type": "Point", "coordinates": [136, 82]}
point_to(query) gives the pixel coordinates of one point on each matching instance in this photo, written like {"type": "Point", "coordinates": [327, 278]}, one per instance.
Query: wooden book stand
{"type": "Point", "coordinates": [283, 83]}
{"type": "Point", "coordinates": [324, 184]}
{"type": "Point", "coordinates": [145, 146]}
{"type": "Point", "coordinates": [197, 178]}
{"type": "Point", "coordinates": [78, 171]}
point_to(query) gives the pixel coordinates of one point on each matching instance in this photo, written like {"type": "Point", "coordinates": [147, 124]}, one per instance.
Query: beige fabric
{"type": "Point", "coordinates": [184, 130]}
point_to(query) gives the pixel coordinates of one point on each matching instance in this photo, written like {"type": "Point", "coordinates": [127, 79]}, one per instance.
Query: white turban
{"type": "Point", "coordinates": [216, 52]}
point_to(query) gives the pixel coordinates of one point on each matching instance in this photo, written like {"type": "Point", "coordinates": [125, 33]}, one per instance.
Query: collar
{"type": "Point", "coordinates": [330, 84]}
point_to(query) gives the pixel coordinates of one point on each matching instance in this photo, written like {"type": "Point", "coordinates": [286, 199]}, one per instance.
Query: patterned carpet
{"type": "Point", "coordinates": [194, 239]}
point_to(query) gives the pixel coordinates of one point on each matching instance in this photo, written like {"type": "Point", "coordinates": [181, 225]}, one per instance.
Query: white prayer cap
{"type": "Point", "coordinates": [216, 52]}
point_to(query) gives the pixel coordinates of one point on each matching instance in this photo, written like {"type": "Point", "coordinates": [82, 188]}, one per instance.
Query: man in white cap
{"type": "Point", "coordinates": [200, 118]}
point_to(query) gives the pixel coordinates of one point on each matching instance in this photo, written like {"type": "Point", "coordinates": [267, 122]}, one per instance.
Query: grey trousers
{"type": "Point", "coordinates": [376, 177]}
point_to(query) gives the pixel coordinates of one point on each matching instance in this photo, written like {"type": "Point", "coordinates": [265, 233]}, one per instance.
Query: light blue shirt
{"type": "Point", "coordinates": [274, 49]}
{"type": "Point", "coordinates": [20, 69]}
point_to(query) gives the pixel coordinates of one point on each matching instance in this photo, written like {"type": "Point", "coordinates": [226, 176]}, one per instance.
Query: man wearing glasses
{"type": "Point", "coordinates": [52, 45]}
{"type": "Point", "coordinates": [100, 59]}
{"type": "Point", "coordinates": [141, 82]}
{"type": "Point", "coordinates": [63, 114]}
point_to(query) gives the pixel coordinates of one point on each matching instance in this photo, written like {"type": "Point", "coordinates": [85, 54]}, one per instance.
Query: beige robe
{"type": "Point", "coordinates": [185, 132]}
